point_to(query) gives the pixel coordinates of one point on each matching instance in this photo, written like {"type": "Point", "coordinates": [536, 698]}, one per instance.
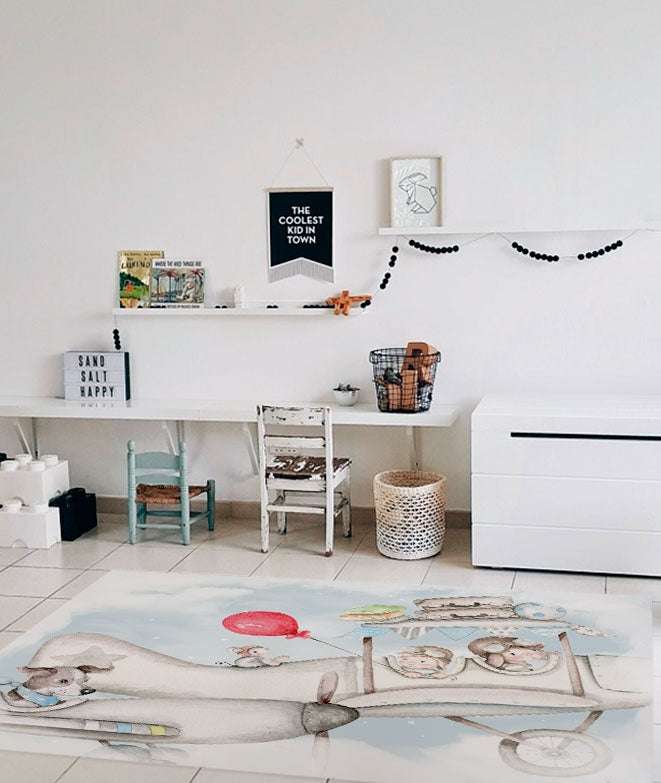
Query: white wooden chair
{"type": "Point", "coordinates": [299, 467]}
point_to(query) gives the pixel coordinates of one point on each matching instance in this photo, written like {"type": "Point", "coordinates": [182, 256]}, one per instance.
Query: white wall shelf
{"type": "Point", "coordinates": [230, 312]}
{"type": "Point", "coordinates": [420, 230]}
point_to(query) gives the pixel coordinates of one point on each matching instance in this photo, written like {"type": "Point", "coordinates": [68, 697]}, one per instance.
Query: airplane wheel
{"type": "Point", "coordinates": [555, 753]}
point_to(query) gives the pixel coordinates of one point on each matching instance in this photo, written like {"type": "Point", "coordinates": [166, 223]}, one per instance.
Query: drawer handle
{"type": "Point", "coordinates": [582, 436]}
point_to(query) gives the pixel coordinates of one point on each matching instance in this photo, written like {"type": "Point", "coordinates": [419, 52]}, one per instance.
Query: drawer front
{"type": "Point", "coordinates": [499, 452]}
{"type": "Point", "coordinates": [598, 504]}
{"type": "Point", "coordinates": [34, 487]}
{"type": "Point", "coordinates": [599, 551]}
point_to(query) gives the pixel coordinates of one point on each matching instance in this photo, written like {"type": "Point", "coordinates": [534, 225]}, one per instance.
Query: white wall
{"type": "Point", "coordinates": [144, 123]}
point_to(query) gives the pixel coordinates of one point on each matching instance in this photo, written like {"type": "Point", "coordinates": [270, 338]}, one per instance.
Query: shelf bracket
{"type": "Point", "coordinates": [251, 441]}
{"type": "Point", "coordinates": [23, 440]}
{"type": "Point", "coordinates": [169, 442]}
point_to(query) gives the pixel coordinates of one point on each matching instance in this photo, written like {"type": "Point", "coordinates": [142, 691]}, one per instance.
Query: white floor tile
{"type": "Point", "coordinates": [367, 546]}
{"type": "Point", "coordinates": [305, 566]}
{"type": "Point", "coordinates": [111, 527]}
{"type": "Point", "coordinates": [32, 767]}
{"type": "Point", "coordinates": [78, 584]}
{"type": "Point", "coordinates": [36, 615]}
{"type": "Point", "coordinates": [313, 542]}
{"type": "Point", "coordinates": [99, 771]}
{"type": "Point", "coordinates": [39, 582]}
{"type": "Point", "coordinates": [12, 607]}
{"type": "Point", "coordinates": [220, 561]}
{"type": "Point", "coordinates": [229, 776]}
{"type": "Point", "coordinates": [457, 544]}
{"type": "Point", "coordinates": [70, 554]}
{"type": "Point", "coordinates": [451, 574]}
{"type": "Point", "coordinates": [366, 568]}
{"type": "Point", "coordinates": [143, 558]}
{"type": "Point", "coordinates": [9, 555]}
{"type": "Point", "coordinates": [635, 585]}
{"type": "Point", "coordinates": [168, 538]}
{"type": "Point", "coordinates": [240, 538]}
{"type": "Point", "coordinates": [559, 581]}
{"type": "Point", "coordinates": [6, 637]}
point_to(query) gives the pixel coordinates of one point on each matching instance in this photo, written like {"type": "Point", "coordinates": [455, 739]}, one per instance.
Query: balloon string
{"type": "Point", "coordinates": [351, 652]}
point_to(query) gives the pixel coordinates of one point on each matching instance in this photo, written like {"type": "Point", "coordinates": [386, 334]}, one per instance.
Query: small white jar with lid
{"type": "Point", "coordinates": [12, 506]}
{"type": "Point", "coordinates": [49, 459]}
{"type": "Point", "coordinates": [9, 464]}
{"type": "Point", "coordinates": [39, 508]}
{"type": "Point", "coordinates": [36, 466]}
{"type": "Point", "coordinates": [23, 459]}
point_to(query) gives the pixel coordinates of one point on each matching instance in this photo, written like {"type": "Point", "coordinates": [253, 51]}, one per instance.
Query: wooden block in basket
{"type": "Point", "coordinates": [409, 389]}
{"type": "Point", "coordinates": [394, 393]}
{"type": "Point", "coordinates": [420, 357]}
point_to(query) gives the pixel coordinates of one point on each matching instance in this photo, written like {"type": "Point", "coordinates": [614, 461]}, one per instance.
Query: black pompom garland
{"type": "Point", "coordinates": [554, 257]}
{"type": "Point", "coordinates": [432, 248]}
{"type": "Point", "coordinates": [601, 251]}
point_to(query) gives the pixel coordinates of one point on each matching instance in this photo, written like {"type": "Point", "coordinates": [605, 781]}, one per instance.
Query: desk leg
{"type": "Point", "coordinates": [412, 438]}
{"type": "Point", "coordinates": [249, 436]}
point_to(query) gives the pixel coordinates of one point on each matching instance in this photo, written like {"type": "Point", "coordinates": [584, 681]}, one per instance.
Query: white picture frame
{"type": "Point", "coordinates": [416, 192]}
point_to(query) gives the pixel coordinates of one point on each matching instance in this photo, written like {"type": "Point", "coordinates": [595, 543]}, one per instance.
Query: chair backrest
{"type": "Point", "coordinates": [274, 421]}
{"type": "Point", "coordinates": [156, 467]}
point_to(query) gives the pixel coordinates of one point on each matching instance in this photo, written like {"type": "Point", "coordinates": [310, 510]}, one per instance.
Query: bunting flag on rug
{"type": "Point", "coordinates": [413, 632]}
{"type": "Point", "coordinates": [458, 632]}
{"type": "Point", "coordinates": [300, 233]}
{"type": "Point", "coordinates": [367, 630]}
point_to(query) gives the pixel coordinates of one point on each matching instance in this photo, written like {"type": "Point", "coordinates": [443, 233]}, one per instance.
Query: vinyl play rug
{"type": "Point", "coordinates": [364, 682]}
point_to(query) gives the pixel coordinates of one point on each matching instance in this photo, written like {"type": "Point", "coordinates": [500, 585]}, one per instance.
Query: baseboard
{"type": "Point", "coordinates": [249, 509]}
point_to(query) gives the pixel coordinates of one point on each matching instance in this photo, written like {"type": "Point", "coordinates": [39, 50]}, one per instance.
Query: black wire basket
{"type": "Point", "coordinates": [404, 378]}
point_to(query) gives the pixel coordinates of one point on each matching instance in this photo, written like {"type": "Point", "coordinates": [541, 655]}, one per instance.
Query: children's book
{"type": "Point", "coordinates": [134, 276]}
{"type": "Point", "coordinates": [177, 282]}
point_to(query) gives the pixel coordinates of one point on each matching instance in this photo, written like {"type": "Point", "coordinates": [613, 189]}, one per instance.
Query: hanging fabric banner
{"type": "Point", "coordinates": [300, 233]}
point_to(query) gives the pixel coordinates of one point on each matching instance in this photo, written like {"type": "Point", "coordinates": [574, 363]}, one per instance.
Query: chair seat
{"type": "Point", "coordinates": [288, 467]}
{"type": "Point", "coordinates": [165, 493]}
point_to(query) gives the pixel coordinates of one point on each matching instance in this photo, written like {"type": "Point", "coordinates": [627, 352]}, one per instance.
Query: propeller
{"type": "Point", "coordinates": [321, 743]}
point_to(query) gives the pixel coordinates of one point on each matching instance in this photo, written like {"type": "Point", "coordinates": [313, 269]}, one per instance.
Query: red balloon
{"type": "Point", "coordinates": [265, 624]}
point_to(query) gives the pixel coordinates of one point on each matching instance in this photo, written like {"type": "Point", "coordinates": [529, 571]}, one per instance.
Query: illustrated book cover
{"type": "Point", "coordinates": [134, 276]}
{"type": "Point", "coordinates": [177, 282]}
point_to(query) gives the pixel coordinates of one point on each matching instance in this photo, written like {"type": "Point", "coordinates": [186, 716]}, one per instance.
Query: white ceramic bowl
{"type": "Point", "coordinates": [36, 466]}
{"type": "Point", "coordinates": [346, 397]}
{"type": "Point", "coordinates": [23, 459]}
{"type": "Point", "coordinates": [9, 464]}
{"type": "Point", "coordinates": [50, 459]}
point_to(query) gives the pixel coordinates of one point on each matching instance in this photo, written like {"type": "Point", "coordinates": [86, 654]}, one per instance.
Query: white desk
{"type": "Point", "coordinates": [181, 411]}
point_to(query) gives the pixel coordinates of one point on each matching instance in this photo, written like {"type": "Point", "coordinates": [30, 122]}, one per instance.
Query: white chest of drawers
{"type": "Point", "coordinates": [567, 483]}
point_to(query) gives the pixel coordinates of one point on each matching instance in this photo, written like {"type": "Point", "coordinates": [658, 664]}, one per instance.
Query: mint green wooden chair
{"type": "Point", "coordinates": [159, 478]}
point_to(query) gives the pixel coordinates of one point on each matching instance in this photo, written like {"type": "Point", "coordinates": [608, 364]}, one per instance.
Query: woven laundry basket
{"type": "Point", "coordinates": [410, 513]}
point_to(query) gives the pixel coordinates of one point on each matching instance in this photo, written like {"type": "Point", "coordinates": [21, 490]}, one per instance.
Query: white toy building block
{"type": "Point", "coordinates": [32, 529]}
{"type": "Point", "coordinates": [34, 487]}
